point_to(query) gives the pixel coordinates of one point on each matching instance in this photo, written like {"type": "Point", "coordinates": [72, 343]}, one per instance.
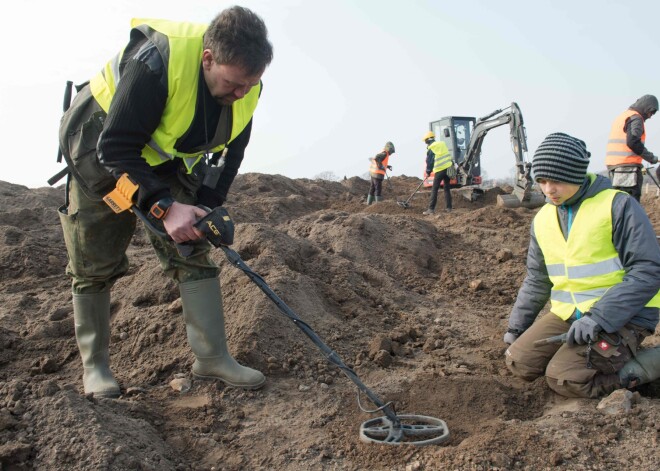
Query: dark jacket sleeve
{"type": "Point", "coordinates": [637, 245]}
{"type": "Point", "coordinates": [634, 128]}
{"type": "Point", "coordinates": [134, 115]}
{"type": "Point", "coordinates": [430, 159]}
{"type": "Point", "coordinates": [379, 159]}
{"type": "Point", "coordinates": [535, 290]}
{"type": "Point", "coordinates": [213, 197]}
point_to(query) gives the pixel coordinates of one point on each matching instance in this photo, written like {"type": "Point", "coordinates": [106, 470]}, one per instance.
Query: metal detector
{"type": "Point", "coordinates": [406, 204]}
{"type": "Point", "coordinates": [390, 429]}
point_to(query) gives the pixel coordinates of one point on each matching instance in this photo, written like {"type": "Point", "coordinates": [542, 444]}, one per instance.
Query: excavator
{"type": "Point", "coordinates": [464, 137]}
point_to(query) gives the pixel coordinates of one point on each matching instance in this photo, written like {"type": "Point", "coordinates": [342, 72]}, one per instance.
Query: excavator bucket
{"type": "Point", "coordinates": [523, 195]}
{"type": "Point", "coordinates": [535, 200]}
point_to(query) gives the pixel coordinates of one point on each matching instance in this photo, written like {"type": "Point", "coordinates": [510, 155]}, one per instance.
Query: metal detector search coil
{"type": "Point", "coordinates": [418, 430]}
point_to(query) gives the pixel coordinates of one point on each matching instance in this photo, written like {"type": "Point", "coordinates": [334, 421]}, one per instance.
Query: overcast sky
{"type": "Point", "coordinates": [350, 75]}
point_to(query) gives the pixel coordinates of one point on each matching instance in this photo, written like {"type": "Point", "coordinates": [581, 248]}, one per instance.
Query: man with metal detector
{"type": "Point", "coordinates": [594, 255]}
{"type": "Point", "coordinates": [439, 162]}
{"type": "Point", "coordinates": [626, 146]}
{"type": "Point", "coordinates": [378, 172]}
{"type": "Point", "coordinates": [166, 114]}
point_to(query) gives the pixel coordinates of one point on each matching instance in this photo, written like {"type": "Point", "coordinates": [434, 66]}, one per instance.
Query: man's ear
{"type": "Point", "coordinates": [207, 59]}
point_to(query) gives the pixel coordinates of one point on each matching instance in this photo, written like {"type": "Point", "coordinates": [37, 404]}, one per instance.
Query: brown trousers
{"type": "Point", "coordinates": [579, 371]}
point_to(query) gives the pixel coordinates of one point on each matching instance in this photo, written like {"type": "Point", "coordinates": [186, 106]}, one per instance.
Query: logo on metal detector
{"type": "Point", "coordinates": [603, 345]}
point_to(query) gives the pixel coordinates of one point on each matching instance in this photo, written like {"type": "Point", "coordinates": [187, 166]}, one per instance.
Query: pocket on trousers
{"type": "Point", "coordinates": [93, 177]}
{"type": "Point", "coordinates": [69, 223]}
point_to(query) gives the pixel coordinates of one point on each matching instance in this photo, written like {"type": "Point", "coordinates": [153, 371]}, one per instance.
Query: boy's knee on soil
{"type": "Point", "coordinates": [519, 369]}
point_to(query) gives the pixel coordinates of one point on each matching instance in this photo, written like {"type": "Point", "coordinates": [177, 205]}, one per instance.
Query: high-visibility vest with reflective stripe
{"type": "Point", "coordinates": [373, 168]}
{"type": "Point", "coordinates": [618, 151]}
{"type": "Point", "coordinates": [181, 46]}
{"type": "Point", "coordinates": [442, 158]}
{"type": "Point", "coordinates": [586, 265]}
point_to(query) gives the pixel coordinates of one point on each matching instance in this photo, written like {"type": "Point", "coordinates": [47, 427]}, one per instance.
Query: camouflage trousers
{"type": "Point", "coordinates": [97, 239]}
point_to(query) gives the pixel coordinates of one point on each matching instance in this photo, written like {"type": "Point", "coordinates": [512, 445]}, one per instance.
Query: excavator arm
{"type": "Point", "coordinates": [522, 190]}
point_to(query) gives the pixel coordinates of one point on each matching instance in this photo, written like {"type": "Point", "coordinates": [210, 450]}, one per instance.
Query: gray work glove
{"type": "Point", "coordinates": [511, 336]}
{"type": "Point", "coordinates": [583, 330]}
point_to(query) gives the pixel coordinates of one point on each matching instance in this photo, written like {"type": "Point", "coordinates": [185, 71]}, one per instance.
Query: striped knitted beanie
{"type": "Point", "coordinates": [561, 158]}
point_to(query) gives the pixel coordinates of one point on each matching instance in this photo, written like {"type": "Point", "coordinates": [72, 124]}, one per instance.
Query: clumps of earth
{"type": "Point", "coordinates": [415, 305]}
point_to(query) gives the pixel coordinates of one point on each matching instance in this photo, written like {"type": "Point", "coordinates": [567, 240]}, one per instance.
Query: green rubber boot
{"type": "Point", "coordinates": [205, 326]}
{"type": "Point", "coordinates": [642, 369]}
{"type": "Point", "coordinates": [370, 199]}
{"type": "Point", "coordinates": [91, 315]}
{"type": "Point", "coordinates": [379, 199]}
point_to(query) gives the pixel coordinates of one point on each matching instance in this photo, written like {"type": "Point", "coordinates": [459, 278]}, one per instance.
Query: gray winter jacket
{"type": "Point", "coordinates": [636, 243]}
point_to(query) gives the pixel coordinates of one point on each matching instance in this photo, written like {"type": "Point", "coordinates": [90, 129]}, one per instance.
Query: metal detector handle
{"type": "Point", "coordinates": [550, 340]}
{"type": "Point", "coordinates": [185, 250]}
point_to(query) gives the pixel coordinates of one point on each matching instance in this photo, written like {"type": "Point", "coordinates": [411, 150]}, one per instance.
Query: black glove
{"type": "Point", "coordinates": [583, 330]}
{"type": "Point", "coordinates": [389, 167]}
{"type": "Point", "coordinates": [217, 226]}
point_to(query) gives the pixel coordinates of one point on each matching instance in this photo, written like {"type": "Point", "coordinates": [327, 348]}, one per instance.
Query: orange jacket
{"type": "Point", "coordinates": [618, 152]}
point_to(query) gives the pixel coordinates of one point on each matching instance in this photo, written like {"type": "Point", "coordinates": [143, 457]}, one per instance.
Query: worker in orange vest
{"type": "Point", "coordinates": [379, 165]}
{"type": "Point", "coordinates": [626, 146]}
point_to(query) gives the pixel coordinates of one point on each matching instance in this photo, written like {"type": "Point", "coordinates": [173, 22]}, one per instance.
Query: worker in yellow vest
{"type": "Point", "coordinates": [378, 171]}
{"type": "Point", "coordinates": [593, 254]}
{"type": "Point", "coordinates": [626, 146]}
{"type": "Point", "coordinates": [172, 108]}
{"type": "Point", "coordinates": [439, 162]}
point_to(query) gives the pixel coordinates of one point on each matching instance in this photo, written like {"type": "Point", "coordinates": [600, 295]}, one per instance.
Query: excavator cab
{"type": "Point", "coordinates": [456, 132]}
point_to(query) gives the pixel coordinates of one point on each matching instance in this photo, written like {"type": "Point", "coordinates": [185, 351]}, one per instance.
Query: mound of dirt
{"type": "Point", "coordinates": [416, 305]}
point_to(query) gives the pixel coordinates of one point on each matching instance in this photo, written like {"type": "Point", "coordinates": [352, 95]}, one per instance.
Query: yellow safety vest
{"type": "Point", "coordinates": [181, 46]}
{"type": "Point", "coordinates": [586, 265]}
{"type": "Point", "coordinates": [442, 158]}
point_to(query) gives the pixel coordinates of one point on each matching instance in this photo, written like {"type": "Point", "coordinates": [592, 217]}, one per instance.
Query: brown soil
{"type": "Point", "coordinates": [416, 305]}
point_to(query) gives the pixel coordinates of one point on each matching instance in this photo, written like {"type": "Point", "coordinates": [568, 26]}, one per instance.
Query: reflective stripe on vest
{"type": "Point", "coordinates": [442, 158]}
{"type": "Point", "coordinates": [586, 265]}
{"type": "Point", "coordinates": [181, 46]}
{"type": "Point", "coordinates": [373, 168]}
{"type": "Point", "coordinates": [618, 151]}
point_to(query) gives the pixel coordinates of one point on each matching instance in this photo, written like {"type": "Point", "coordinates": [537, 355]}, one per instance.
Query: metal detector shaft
{"type": "Point", "coordinates": [389, 183]}
{"type": "Point", "coordinates": [650, 174]}
{"type": "Point", "coordinates": [330, 354]}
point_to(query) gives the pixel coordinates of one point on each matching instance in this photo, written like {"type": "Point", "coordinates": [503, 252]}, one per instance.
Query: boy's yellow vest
{"type": "Point", "coordinates": [586, 265]}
